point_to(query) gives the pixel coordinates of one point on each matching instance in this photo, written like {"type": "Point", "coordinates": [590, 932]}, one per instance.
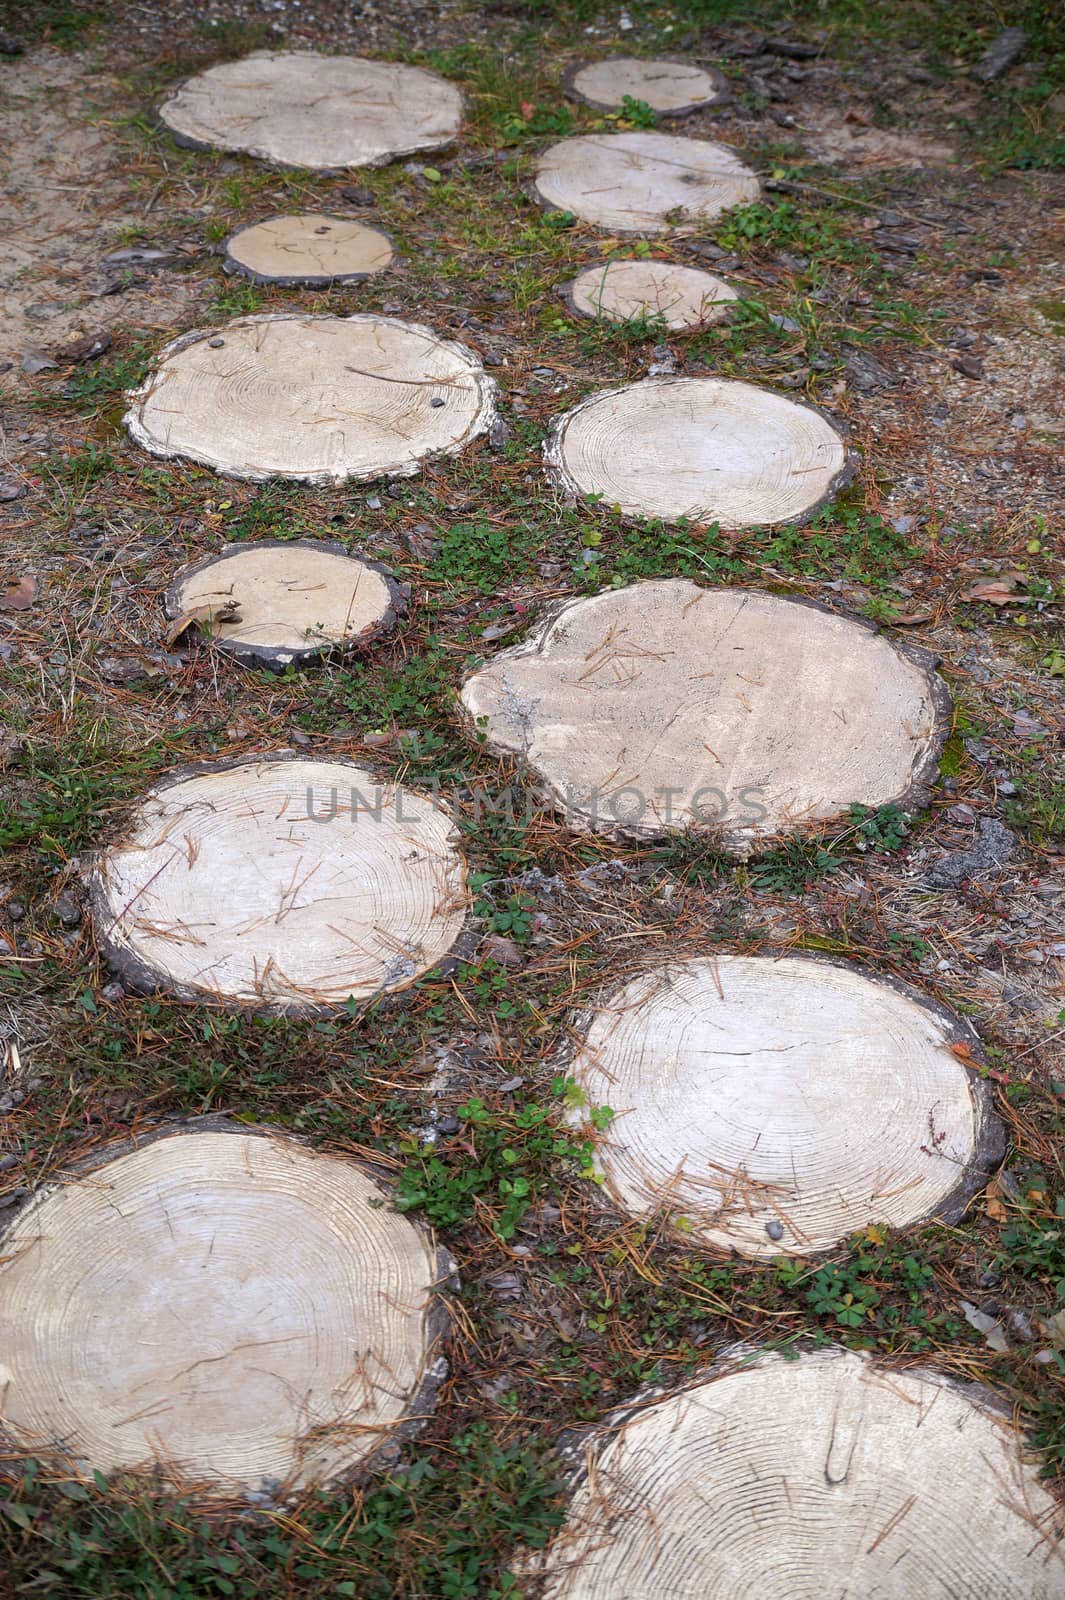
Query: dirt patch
{"type": "Point", "coordinates": [65, 203]}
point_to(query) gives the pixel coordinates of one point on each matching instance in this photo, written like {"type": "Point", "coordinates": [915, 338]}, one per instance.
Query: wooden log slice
{"type": "Point", "coordinates": [642, 182]}
{"type": "Point", "coordinates": [284, 884]}
{"type": "Point", "coordinates": [707, 449]}
{"type": "Point", "coordinates": [326, 113]}
{"type": "Point", "coordinates": [290, 601]}
{"type": "Point", "coordinates": [798, 1479]}
{"type": "Point", "coordinates": [309, 249]}
{"type": "Point", "coordinates": [236, 1309]}
{"type": "Point", "coordinates": [663, 706]}
{"type": "Point", "coordinates": [672, 88]}
{"type": "Point", "coordinates": [660, 291]}
{"type": "Point", "coordinates": [778, 1105]}
{"type": "Point", "coordinates": [317, 398]}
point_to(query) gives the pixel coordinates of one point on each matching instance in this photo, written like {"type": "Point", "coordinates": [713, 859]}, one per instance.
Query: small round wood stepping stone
{"type": "Point", "coordinates": [317, 398]}
{"type": "Point", "coordinates": [828, 1474]}
{"type": "Point", "coordinates": [679, 297]}
{"type": "Point", "coordinates": [672, 88]}
{"type": "Point", "coordinates": [325, 113]}
{"type": "Point", "coordinates": [779, 1105]}
{"type": "Point", "coordinates": [235, 1308]}
{"type": "Point", "coordinates": [642, 182]}
{"type": "Point", "coordinates": [309, 249]}
{"type": "Point", "coordinates": [288, 884]}
{"type": "Point", "coordinates": [281, 602]}
{"type": "Point", "coordinates": [708, 449]}
{"type": "Point", "coordinates": [663, 706]}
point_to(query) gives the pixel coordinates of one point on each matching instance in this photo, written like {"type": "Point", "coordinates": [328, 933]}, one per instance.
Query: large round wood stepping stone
{"type": "Point", "coordinates": [320, 399]}
{"type": "Point", "coordinates": [308, 249]}
{"type": "Point", "coordinates": [708, 449]}
{"type": "Point", "coordinates": [671, 88]}
{"type": "Point", "coordinates": [279, 602]}
{"type": "Point", "coordinates": [680, 297]}
{"type": "Point", "coordinates": [664, 706]}
{"type": "Point", "coordinates": [298, 109]}
{"type": "Point", "coordinates": [777, 1106]}
{"type": "Point", "coordinates": [799, 1479]}
{"type": "Point", "coordinates": [292, 885]}
{"type": "Point", "coordinates": [231, 1306]}
{"type": "Point", "coordinates": [642, 182]}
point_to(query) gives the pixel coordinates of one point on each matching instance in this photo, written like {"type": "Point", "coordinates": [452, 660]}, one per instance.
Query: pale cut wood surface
{"type": "Point", "coordinates": [316, 398]}
{"type": "Point", "coordinates": [292, 600]}
{"type": "Point", "coordinates": [681, 297]}
{"type": "Point", "coordinates": [707, 449]}
{"type": "Point", "coordinates": [642, 182]}
{"type": "Point", "coordinates": [668, 87]}
{"type": "Point", "coordinates": [809, 1478]}
{"type": "Point", "coordinates": [776, 1106]}
{"type": "Point", "coordinates": [310, 248]}
{"type": "Point", "coordinates": [224, 885]}
{"type": "Point", "coordinates": [299, 109]}
{"type": "Point", "coordinates": [663, 706]}
{"type": "Point", "coordinates": [236, 1307]}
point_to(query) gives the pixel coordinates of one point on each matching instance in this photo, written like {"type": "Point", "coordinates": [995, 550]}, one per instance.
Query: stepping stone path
{"type": "Point", "coordinates": [778, 1105]}
{"type": "Point", "coordinates": [250, 1314]}
{"type": "Point", "coordinates": [310, 249]}
{"type": "Point", "coordinates": [682, 298]}
{"type": "Point", "coordinates": [277, 602]}
{"type": "Point", "coordinates": [664, 706]}
{"type": "Point", "coordinates": [297, 109]}
{"type": "Point", "coordinates": [288, 884]}
{"type": "Point", "coordinates": [672, 88]}
{"type": "Point", "coordinates": [708, 449]}
{"type": "Point", "coordinates": [229, 1303]}
{"type": "Point", "coordinates": [642, 182]}
{"type": "Point", "coordinates": [316, 398]}
{"type": "Point", "coordinates": [795, 1479]}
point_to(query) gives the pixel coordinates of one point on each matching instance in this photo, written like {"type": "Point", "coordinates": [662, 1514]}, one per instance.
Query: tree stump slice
{"type": "Point", "coordinates": [779, 1105]}
{"type": "Point", "coordinates": [232, 1307]}
{"type": "Point", "coordinates": [295, 601]}
{"type": "Point", "coordinates": [316, 398]}
{"type": "Point", "coordinates": [311, 249]}
{"type": "Point", "coordinates": [672, 88]}
{"type": "Point", "coordinates": [797, 1479]}
{"type": "Point", "coordinates": [324, 113]}
{"type": "Point", "coordinates": [706, 449]}
{"type": "Point", "coordinates": [642, 182]}
{"type": "Point", "coordinates": [679, 297]}
{"type": "Point", "coordinates": [663, 707]}
{"type": "Point", "coordinates": [291, 885]}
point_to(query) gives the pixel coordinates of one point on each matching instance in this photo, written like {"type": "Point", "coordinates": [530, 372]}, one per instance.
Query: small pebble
{"type": "Point", "coordinates": [775, 1230]}
{"type": "Point", "coordinates": [436, 402]}
{"type": "Point", "coordinates": [216, 344]}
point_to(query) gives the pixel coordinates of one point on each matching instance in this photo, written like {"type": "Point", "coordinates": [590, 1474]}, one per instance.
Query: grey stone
{"type": "Point", "coordinates": [68, 911]}
{"type": "Point", "coordinates": [866, 374]}
{"type": "Point", "coordinates": [1001, 55]}
{"type": "Point", "coordinates": [990, 850]}
{"type": "Point", "coordinates": [775, 1230]}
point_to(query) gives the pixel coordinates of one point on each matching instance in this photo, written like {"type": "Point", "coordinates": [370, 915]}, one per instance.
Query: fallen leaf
{"type": "Point", "coordinates": [19, 593]}
{"type": "Point", "coordinates": [210, 618]}
{"type": "Point", "coordinates": [997, 592]}
{"type": "Point", "coordinates": [910, 619]}
{"type": "Point", "coordinates": [992, 1330]}
{"type": "Point", "coordinates": [1055, 1329]}
{"type": "Point", "coordinates": [993, 1202]}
